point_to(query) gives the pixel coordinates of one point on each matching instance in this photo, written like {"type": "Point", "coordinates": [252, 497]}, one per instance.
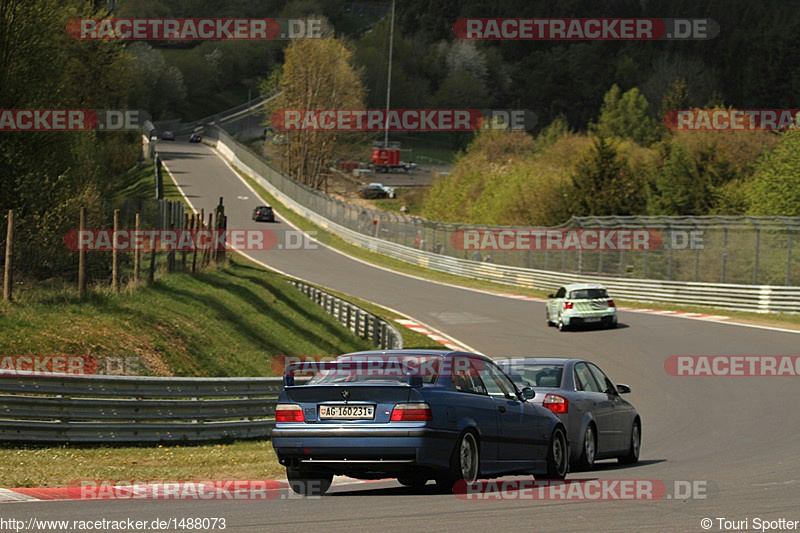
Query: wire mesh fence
{"type": "Point", "coordinates": [713, 249]}
{"type": "Point", "coordinates": [42, 254]}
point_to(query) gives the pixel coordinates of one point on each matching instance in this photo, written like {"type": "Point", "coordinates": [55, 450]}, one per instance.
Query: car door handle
{"type": "Point", "coordinates": [501, 408]}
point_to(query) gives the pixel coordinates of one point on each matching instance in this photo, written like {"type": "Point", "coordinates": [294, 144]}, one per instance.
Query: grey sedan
{"type": "Point", "coordinates": [600, 424]}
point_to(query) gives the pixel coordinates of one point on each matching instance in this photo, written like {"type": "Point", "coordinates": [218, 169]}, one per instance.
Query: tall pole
{"type": "Point", "coordinates": [8, 274]}
{"type": "Point", "coordinates": [81, 255]}
{"type": "Point", "coordinates": [115, 254]}
{"type": "Point", "coordinates": [389, 80]}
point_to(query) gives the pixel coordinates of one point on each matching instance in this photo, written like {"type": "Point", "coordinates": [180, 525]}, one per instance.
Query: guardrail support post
{"type": "Point", "coordinates": [137, 253]}
{"type": "Point", "coordinates": [115, 254]}
{"type": "Point", "coordinates": [789, 260]}
{"type": "Point", "coordinates": [8, 272]}
{"type": "Point", "coordinates": [724, 254]}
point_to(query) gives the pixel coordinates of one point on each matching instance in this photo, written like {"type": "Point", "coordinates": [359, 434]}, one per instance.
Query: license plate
{"type": "Point", "coordinates": [592, 319]}
{"type": "Point", "coordinates": [347, 412]}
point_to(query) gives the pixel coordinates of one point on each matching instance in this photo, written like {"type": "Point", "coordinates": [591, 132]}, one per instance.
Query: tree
{"type": "Point", "coordinates": [317, 74]}
{"type": "Point", "coordinates": [603, 184]}
{"type": "Point", "coordinates": [627, 115]}
{"type": "Point", "coordinates": [676, 98]}
{"type": "Point", "coordinates": [677, 188]}
{"type": "Point", "coordinates": [776, 188]}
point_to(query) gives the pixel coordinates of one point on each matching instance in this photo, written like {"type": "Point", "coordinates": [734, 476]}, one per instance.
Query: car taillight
{"type": "Point", "coordinates": [567, 305]}
{"type": "Point", "coordinates": [557, 404]}
{"type": "Point", "coordinates": [611, 303]}
{"type": "Point", "coordinates": [411, 412]}
{"type": "Point", "coordinates": [289, 412]}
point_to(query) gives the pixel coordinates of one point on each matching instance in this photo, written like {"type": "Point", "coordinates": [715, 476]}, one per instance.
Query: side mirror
{"type": "Point", "coordinates": [551, 295]}
{"type": "Point", "coordinates": [527, 393]}
{"type": "Point", "coordinates": [623, 389]}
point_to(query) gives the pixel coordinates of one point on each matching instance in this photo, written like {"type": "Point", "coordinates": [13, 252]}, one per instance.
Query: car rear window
{"type": "Point", "coordinates": [588, 294]}
{"type": "Point", "coordinates": [380, 368]}
{"type": "Point", "coordinates": [545, 375]}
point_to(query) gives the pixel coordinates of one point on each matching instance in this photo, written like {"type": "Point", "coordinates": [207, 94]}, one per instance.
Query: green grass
{"type": "Point", "coordinates": [58, 466]}
{"type": "Point", "coordinates": [785, 320]}
{"type": "Point", "coordinates": [139, 182]}
{"type": "Point", "coordinates": [227, 322]}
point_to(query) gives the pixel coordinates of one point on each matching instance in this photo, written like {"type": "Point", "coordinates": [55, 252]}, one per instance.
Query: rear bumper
{"type": "Point", "coordinates": [361, 451]}
{"type": "Point", "coordinates": [608, 316]}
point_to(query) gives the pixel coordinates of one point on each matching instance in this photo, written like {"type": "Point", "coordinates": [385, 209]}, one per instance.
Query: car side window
{"type": "Point", "coordinates": [465, 378]}
{"type": "Point", "coordinates": [562, 292]}
{"type": "Point", "coordinates": [497, 384]}
{"type": "Point", "coordinates": [584, 380]}
{"type": "Point", "coordinates": [602, 379]}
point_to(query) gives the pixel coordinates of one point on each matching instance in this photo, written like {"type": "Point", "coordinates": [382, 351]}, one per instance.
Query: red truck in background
{"type": "Point", "coordinates": [387, 159]}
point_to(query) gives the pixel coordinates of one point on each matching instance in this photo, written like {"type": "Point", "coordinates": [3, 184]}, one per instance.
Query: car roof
{"type": "Point", "coordinates": [578, 286]}
{"type": "Point", "coordinates": [263, 206]}
{"type": "Point", "coordinates": [443, 353]}
{"type": "Point", "coordinates": [541, 360]}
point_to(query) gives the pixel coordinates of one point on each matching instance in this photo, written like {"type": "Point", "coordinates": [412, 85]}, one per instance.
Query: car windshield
{"type": "Point", "coordinates": [542, 375]}
{"type": "Point", "coordinates": [379, 368]}
{"type": "Point", "coordinates": [588, 294]}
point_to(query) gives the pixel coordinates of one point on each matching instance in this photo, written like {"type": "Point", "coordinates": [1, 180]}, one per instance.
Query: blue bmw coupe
{"type": "Point", "coordinates": [415, 416]}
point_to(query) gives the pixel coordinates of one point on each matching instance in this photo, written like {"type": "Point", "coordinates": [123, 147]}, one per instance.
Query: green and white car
{"type": "Point", "coordinates": [581, 303]}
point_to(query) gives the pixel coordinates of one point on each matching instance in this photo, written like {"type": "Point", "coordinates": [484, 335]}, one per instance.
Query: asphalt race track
{"type": "Point", "coordinates": [738, 434]}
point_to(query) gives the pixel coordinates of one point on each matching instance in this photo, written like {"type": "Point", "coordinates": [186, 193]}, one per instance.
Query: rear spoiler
{"type": "Point", "coordinates": [412, 374]}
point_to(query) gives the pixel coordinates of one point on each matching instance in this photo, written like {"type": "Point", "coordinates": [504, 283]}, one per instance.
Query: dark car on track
{"type": "Point", "coordinates": [413, 415]}
{"type": "Point", "coordinates": [371, 192]}
{"type": "Point", "coordinates": [196, 138]}
{"type": "Point", "coordinates": [600, 423]}
{"type": "Point", "coordinates": [263, 213]}
{"type": "Point", "coordinates": [168, 136]}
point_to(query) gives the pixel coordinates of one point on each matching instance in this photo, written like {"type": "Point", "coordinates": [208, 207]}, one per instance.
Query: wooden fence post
{"type": "Point", "coordinates": [184, 228]}
{"type": "Point", "coordinates": [8, 274]}
{"type": "Point", "coordinates": [208, 255]}
{"type": "Point", "coordinates": [81, 255]}
{"type": "Point", "coordinates": [194, 225]}
{"type": "Point", "coordinates": [171, 227]}
{"type": "Point", "coordinates": [201, 226]}
{"type": "Point", "coordinates": [115, 254]}
{"type": "Point", "coordinates": [137, 253]}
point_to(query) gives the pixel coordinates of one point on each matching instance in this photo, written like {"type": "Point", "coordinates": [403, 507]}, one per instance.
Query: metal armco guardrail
{"type": "Point", "coordinates": [68, 408]}
{"type": "Point", "coordinates": [364, 324]}
{"type": "Point", "coordinates": [758, 298]}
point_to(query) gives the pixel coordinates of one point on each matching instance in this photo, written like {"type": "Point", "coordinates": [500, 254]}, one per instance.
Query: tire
{"type": "Point", "coordinates": [464, 462]}
{"type": "Point", "coordinates": [588, 447]}
{"type": "Point", "coordinates": [550, 323]}
{"type": "Point", "coordinates": [561, 326]}
{"type": "Point", "coordinates": [308, 483]}
{"type": "Point", "coordinates": [632, 457]}
{"type": "Point", "coordinates": [415, 481]}
{"type": "Point", "coordinates": [558, 455]}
